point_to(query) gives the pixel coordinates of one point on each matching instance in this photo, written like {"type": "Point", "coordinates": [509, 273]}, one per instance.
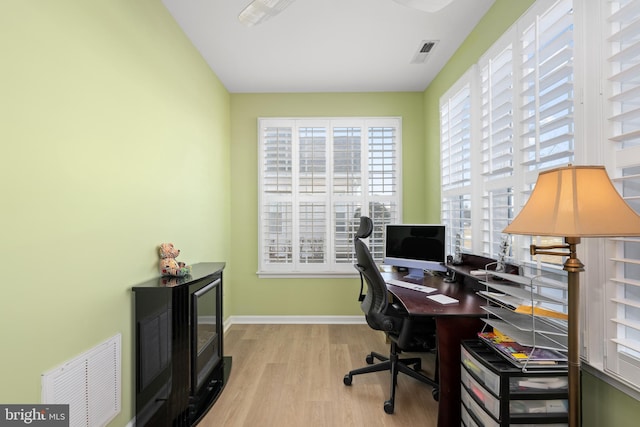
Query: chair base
{"type": "Point", "coordinates": [394, 364]}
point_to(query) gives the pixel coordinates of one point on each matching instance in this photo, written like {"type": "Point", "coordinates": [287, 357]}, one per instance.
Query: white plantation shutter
{"type": "Point", "coordinates": [497, 83]}
{"type": "Point", "coordinates": [347, 187]}
{"type": "Point", "coordinates": [383, 189]}
{"type": "Point", "coordinates": [317, 177]}
{"type": "Point", "coordinates": [277, 186]}
{"type": "Point", "coordinates": [548, 126]}
{"type": "Point", "coordinates": [455, 156]}
{"type": "Point", "coordinates": [546, 105]}
{"type": "Point", "coordinates": [497, 213]}
{"type": "Point", "coordinates": [622, 331]}
{"type": "Point", "coordinates": [546, 89]}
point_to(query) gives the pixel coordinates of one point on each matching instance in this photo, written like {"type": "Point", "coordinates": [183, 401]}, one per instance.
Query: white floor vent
{"type": "Point", "coordinates": [90, 384]}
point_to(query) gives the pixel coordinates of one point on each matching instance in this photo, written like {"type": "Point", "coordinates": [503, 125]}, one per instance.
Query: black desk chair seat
{"type": "Point", "coordinates": [404, 332]}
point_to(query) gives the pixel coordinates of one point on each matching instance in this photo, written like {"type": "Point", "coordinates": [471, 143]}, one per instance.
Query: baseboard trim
{"type": "Point", "coordinates": [292, 320]}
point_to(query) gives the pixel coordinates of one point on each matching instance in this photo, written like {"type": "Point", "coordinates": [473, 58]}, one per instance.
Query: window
{"type": "Point", "coordinates": [455, 160]}
{"type": "Point", "coordinates": [622, 309]}
{"type": "Point", "coordinates": [532, 111]}
{"type": "Point", "coordinates": [317, 177]}
{"type": "Point", "coordinates": [546, 105]}
{"type": "Point", "coordinates": [524, 125]}
{"type": "Point", "coordinates": [497, 81]}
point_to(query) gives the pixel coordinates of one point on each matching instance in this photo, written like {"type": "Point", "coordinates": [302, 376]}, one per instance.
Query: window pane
{"type": "Point", "coordinates": [382, 161]}
{"type": "Point", "coordinates": [455, 139]}
{"type": "Point", "coordinates": [347, 222]}
{"type": "Point", "coordinates": [382, 214]}
{"type": "Point", "coordinates": [497, 214]}
{"type": "Point", "coordinates": [456, 214]}
{"type": "Point", "coordinates": [277, 151]}
{"type": "Point", "coordinates": [546, 89]}
{"type": "Point", "coordinates": [497, 115]}
{"type": "Point", "coordinates": [313, 163]}
{"type": "Point", "coordinates": [623, 287]}
{"type": "Point", "coordinates": [313, 226]}
{"type": "Point", "coordinates": [347, 151]}
{"type": "Point", "coordinates": [277, 226]}
{"type": "Point", "coordinates": [312, 195]}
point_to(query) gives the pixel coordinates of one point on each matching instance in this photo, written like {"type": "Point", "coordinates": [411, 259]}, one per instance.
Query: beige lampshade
{"type": "Point", "coordinates": [575, 201]}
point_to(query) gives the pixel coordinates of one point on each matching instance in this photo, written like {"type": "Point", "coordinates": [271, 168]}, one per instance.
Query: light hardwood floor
{"type": "Point", "coordinates": [291, 376]}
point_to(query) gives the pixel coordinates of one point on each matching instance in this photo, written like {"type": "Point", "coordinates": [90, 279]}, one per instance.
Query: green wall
{"type": "Point", "coordinates": [602, 405]}
{"type": "Point", "coordinates": [115, 137]}
{"type": "Point", "coordinates": [255, 296]}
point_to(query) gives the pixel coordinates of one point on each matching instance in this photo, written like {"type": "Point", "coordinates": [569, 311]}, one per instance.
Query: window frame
{"type": "Point", "coordinates": [364, 203]}
{"type": "Point", "coordinates": [593, 143]}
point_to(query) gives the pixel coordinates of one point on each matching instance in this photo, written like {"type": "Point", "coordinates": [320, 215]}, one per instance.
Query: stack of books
{"type": "Point", "coordinates": [521, 355]}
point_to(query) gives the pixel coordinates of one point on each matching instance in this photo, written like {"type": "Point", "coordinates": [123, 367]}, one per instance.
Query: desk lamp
{"type": "Point", "coordinates": [574, 202]}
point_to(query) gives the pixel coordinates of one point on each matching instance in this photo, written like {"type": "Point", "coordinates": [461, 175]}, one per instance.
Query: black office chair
{"type": "Point", "coordinates": [405, 334]}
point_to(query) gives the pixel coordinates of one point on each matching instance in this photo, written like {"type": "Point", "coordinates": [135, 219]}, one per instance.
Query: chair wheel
{"type": "Point", "coordinates": [388, 407]}
{"type": "Point", "coordinates": [369, 359]}
{"type": "Point", "coordinates": [347, 380]}
{"type": "Point", "coordinates": [435, 393]}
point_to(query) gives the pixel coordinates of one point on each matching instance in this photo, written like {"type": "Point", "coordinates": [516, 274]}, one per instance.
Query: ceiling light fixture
{"type": "Point", "coordinates": [425, 5]}
{"type": "Point", "coordinates": [259, 11]}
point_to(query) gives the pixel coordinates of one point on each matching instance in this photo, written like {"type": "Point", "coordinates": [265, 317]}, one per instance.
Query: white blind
{"type": "Point", "coordinates": [497, 83]}
{"type": "Point", "coordinates": [546, 105]}
{"type": "Point", "coordinates": [455, 138]}
{"type": "Point", "coordinates": [455, 156]}
{"type": "Point", "coordinates": [545, 117]}
{"type": "Point", "coordinates": [277, 186]}
{"type": "Point", "coordinates": [546, 89]}
{"type": "Point", "coordinates": [623, 286]}
{"type": "Point", "coordinates": [497, 213]}
{"type": "Point", "coordinates": [317, 177]}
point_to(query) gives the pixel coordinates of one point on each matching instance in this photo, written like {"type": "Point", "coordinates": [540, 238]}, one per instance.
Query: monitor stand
{"type": "Point", "coordinates": [415, 274]}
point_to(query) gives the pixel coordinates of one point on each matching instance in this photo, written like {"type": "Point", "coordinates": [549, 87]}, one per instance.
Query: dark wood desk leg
{"type": "Point", "coordinates": [451, 330]}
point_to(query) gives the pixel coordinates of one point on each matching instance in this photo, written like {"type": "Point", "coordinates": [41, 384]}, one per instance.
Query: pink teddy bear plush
{"type": "Point", "coordinates": [168, 265]}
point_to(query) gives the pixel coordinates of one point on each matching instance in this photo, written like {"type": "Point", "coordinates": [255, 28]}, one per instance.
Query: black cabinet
{"type": "Point", "coordinates": [180, 364]}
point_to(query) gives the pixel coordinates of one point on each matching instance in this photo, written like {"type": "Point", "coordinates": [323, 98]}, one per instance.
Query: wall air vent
{"type": "Point", "coordinates": [89, 384]}
{"type": "Point", "coordinates": [426, 46]}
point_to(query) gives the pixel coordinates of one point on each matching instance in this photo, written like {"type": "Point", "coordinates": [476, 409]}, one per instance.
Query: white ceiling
{"type": "Point", "coordinates": [325, 45]}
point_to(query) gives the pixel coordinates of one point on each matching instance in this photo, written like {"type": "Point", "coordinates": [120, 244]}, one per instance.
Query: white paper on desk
{"type": "Point", "coordinates": [442, 299]}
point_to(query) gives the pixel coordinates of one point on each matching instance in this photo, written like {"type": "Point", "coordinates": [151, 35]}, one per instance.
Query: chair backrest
{"type": "Point", "coordinates": [365, 229]}
{"type": "Point", "coordinates": [376, 300]}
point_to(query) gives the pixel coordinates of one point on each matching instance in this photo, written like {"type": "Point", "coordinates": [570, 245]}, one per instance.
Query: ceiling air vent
{"type": "Point", "coordinates": [425, 47]}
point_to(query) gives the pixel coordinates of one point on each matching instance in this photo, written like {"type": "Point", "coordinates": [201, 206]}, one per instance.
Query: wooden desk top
{"type": "Point", "coordinates": [417, 304]}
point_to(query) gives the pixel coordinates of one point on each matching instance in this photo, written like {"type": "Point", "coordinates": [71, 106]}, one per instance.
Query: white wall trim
{"type": "Point", "coordinates": [336, 320]}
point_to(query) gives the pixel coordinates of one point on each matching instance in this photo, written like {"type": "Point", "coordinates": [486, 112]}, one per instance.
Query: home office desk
{"type": "Point", "coordinates": [454, 323]}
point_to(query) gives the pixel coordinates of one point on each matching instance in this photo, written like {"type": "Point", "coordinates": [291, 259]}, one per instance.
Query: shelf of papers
{"type": "Point", "coordinates": [528, 328]}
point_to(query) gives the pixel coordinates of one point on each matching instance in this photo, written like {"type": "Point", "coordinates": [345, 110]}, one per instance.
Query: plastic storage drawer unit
{"type": "Point", "coordinates": [494, 392]}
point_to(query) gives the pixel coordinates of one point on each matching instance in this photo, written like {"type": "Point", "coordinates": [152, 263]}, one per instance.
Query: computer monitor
{"type": "Point", "coordinates": [417, 247]}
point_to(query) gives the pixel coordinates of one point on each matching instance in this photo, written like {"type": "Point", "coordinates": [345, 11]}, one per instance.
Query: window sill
{"type": "Point", "coordinates": [306, 275]}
